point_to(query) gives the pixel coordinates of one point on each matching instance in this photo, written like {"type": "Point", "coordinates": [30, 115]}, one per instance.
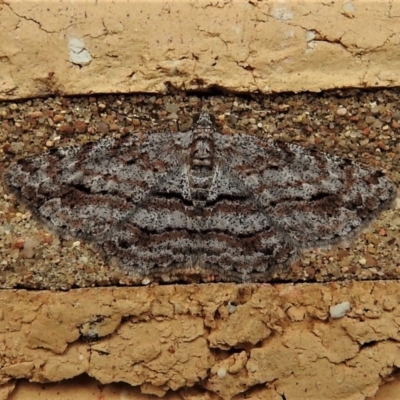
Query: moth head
{"type": "Point", "coordinates": [204, 119]}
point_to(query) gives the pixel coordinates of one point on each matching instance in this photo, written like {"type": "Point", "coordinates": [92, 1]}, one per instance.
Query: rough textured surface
{"type": "Point", "coordinates": [247, 46]}
{"type": "Point", "coordinates": [267, 341]}
{"type": "Point", "coordinates": [89, 389]}
{"type": "Point", "coordinates": [231, 207]}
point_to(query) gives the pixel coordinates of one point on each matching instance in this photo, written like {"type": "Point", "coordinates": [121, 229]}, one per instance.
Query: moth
{"type": "Point", "coordinates": [227, 207]}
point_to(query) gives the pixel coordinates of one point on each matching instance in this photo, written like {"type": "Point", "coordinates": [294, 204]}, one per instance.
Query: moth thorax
{"type": "Point", "coordinates": [201, 166]}
{"type": "Point", "coordinates": [202, 152]}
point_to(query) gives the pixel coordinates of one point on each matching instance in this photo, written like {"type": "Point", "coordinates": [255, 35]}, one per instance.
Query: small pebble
{"type": "Point", "coordinates": [339, 310]}
{"type": "Point", "coordinates": [35, 114]}
{"type": "Point", "coordinates": [362, 261]}
{"type": "Point", "coordinates": [221, 373]}
{"type": "Point", "coordinates": [146, 281]}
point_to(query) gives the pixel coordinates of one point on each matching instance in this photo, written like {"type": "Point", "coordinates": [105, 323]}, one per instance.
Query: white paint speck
{"type": "Point", "coordinates": [281, 14]}
{"type": "Point", "coordinates": [310, 35]}
{"type": "Point", "coordinates": [340, 310]}
{"type": "Point", "coordinates": [348, 10]}
{"type": "Point", "coordinates": [231, 308]}
{"type": "Point", "coordinates": [78, 54]}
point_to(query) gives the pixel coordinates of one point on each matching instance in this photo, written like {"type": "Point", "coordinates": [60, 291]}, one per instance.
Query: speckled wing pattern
{"type": "Point", "coordinates": [227, 207]}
